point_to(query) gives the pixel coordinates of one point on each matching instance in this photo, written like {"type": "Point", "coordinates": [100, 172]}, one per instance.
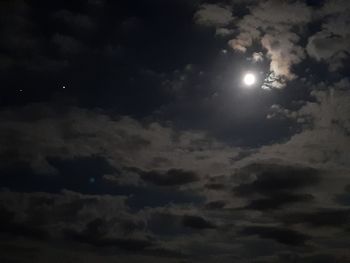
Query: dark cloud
{"type": "Point", "coordinates": [197, 222]}
{"type": "Point", "coordinates": [311, 258]}
{"type": "Point", "coordinates": [273, 178]}
{"type": "Point", "coordinates": [172, 223]}
{"type": "Point", "coordinates": [67, 45]}
{"type": "Point", "coordinates": [76, 174]}
{"type": "Point", "coordinates": [100, 221]}
{"type": "Point", "coordinates": [344, 198]}
{"type": "Point", "coordinates": [215, 205]}
{"type": "Point", "coordinates": [35, 214]}
{"type": "Point", "coordinates": [277, 201]}
{"type": "Point", "coordinates": [321, 218]}
{"type": "Point", "coordinates": [17, 229]}
{"type": "Point", "coordinates": [215, 186]}
{"type": "Point", "coordinates": [282, 235]}
{"type": "Point", "coordinates": [92, 235]}
{"type": "Point", "coordinates": [171, 177]}
{"type": "Point", "coordinates": [22, 46]}
{"type": "Point", "coordinates": [79, 21]}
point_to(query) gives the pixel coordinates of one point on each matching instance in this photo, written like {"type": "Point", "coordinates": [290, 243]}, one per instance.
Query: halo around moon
{"type": "Point", "coordinates": [249, 79]}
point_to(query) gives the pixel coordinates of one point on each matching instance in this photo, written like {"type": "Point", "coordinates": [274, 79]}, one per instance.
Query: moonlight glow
{"type": "Point", "coordinates": [249, 79]}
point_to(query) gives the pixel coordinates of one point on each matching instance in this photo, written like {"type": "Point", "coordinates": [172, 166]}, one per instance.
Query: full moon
{"type": "Point", "coordinates": [249, 79]}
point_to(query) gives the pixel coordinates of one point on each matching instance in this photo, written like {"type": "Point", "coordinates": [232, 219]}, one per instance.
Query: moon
{"type": "Point", "coordinates": [249, 79]}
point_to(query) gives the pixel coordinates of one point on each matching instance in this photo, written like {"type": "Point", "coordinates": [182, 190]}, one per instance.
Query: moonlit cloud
{"type": "Point", "coordinates": [277, 27]}
{"type": "Point", "coordinates": [270, 23]}
{"type": "Point", "coordinates": [324, 138]}
{"type": "Point", "coordinates": [258, 57]}
{"type": "Point", "coordinates": [332, 42]}
{"type": "Point", "coordinates": [223, 32]}
{"type": "Point", "coordinates": [213, 15]}
{"type": "Point", "coordinates": [125, 142]}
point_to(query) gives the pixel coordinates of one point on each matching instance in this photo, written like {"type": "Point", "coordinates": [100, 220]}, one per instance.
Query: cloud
{"type": "Point", "coordinates": [46, 216]}
{"type": "Point", "coordinates": [23, 251]}
{"type": "Point", "coordinates": [213, 15]}
{"type": "Point", "coordinates": [283, 52]}
{"type": "Point", "coordinates": [22, 46]}
{"type": "Point", "coordinates": [79, 21]}
{"type": "Point", "coordinates": [196, 222]}
{"type": "Point", "coordinates": [215, 204]}
{"type": "Point", "coordinates": [170, 178]}
{"type": "Point", "coordinates": [91, 235]}
{"type": "Point", "coordinates": [102, 221]}
{"type": "Point", "coordinates": [344, 198]}
{"type": "Point", "coordinates": [320, 218]}
{"type": "Point", "coordinates": [273, 178]}
{"type": "Point", "coordinates": [25, 47]}
{"type": "Point", "coordinates": [277, 201]}
{"type": "Point", "coordinates": [279, 27]}
{"type": "Point", "coordinates": [223, 32]}
{"type": "Point", "coordinates": [275, 186]}
{"type": "Point", "coordinates": [293, 257]}
{"type": "Point", "coordinates": [258, 57]}
{"type": "Point", "coordinates": [231, 190]}
{"type": "Point", "coordinates": [9, 226]}
{"type": "Point", "coordinates": [331, 44]}
{"type": "Point", "coordinates": [282, 235]}
{"type": "Point", "coordinates": [323, 139]}
{"type": "Point", "coordinates": [34, 133]}
{"type": "Point", "coordinates": [67, 45]}
{"type": "Point", "coordinates": [271, 23]}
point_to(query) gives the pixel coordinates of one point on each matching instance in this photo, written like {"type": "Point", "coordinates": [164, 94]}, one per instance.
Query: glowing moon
{"type": "Point", "coordinates": [249, 79]}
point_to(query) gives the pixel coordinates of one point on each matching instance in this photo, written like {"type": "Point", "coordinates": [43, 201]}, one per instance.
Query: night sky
{"type": "Point", "coordinates": [174, 131]}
